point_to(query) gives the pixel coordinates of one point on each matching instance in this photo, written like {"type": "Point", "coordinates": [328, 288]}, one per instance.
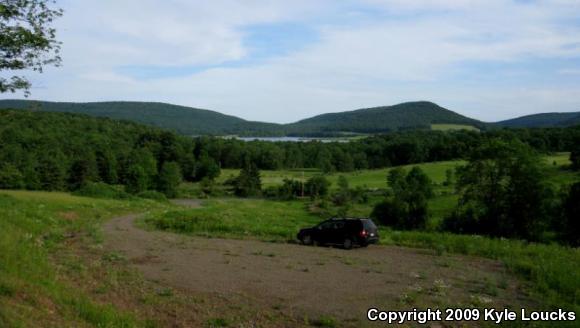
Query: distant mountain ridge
{"type": "Point", "coordinates": [419, 115]}
{"type": "Point", "coordinates": [181, 119]}
{"type": "Point", "coordinates": [195, 121]}
{"type": "Point", "coordinates": [542, 120]}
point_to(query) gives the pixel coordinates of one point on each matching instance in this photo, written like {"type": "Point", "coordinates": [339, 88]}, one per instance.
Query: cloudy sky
{"type": "Point", "coordinates": [282, 60]}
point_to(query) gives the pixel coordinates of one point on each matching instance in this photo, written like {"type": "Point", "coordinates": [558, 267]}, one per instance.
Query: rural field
{"type": "Point", "coordinates": [229, 262]}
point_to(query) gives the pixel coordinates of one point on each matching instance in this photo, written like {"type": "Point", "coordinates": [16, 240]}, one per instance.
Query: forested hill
{"type": "Point", "coordinates": [410, 115]}
{"type": "Point", "coordinates": [181, 119]}
{"type": "Point", "coordinates": [543, 120]}
{"type": "Point", "coordinates": [193, 121]}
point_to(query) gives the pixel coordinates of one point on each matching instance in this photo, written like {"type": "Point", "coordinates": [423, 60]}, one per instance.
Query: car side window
{"type": "Point", "coordinates": [339, 225]}
{"type": "Point", "coordinates": [325, 225]}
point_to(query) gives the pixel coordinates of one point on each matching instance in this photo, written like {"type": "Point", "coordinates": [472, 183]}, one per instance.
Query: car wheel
{"type": "Point", "coordinates": [364, 244]}
{"type": "Point", "coordinates": [347, 244]}
{"type": "Point", "coordinates": [307, 240]}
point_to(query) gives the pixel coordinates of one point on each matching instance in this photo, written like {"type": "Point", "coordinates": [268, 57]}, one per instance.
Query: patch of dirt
{"type": "Point", "coordinates": [313, 281]}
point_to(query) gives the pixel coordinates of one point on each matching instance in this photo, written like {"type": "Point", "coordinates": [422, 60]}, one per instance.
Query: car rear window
{"type": "Point", "coordinates": [368, 224]}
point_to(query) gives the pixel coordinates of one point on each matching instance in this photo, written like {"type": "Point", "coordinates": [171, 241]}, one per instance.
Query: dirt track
{"type": "Point", "coordinates": [311, 280]}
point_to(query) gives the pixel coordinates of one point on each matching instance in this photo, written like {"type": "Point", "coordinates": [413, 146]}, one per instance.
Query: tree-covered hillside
{"type": "Point", "coordinates": [411, 115]}
{"type": "Point", "coordinates": [193, 121]}
{"type": "Point", "coordinates": [183, 120]}
{"type": "Point", "coordinates": [62, 151]}
{"type": "Point", "coordinates": [543, 120]}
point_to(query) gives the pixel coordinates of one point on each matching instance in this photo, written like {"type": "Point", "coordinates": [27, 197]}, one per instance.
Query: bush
{"type": "Point", "coordinates": [10, 177]}
{"type": "Point", "coordinates": [102, 190]}
{"type": "Point", "coordinates": [152, 194]}
{"type": "Point", "coordinates": [317, 186]}
{"type": "Point", "coordinates": [406, 205]}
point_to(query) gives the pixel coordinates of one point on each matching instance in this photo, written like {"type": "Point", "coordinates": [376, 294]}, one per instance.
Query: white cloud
{"type": "Point", "coordinates": [407, 50]}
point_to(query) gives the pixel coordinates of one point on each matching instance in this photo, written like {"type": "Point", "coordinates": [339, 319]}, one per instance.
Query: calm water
{"type": "Point", "coordinates": [292, 139]}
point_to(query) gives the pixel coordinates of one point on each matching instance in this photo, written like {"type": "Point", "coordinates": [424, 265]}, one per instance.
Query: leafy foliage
{"type": "Point", "coordinates": [27, 39]}
{"type": "Point", "coordinates": [503, 193]}
{"type": "Point", "coordinates": [248, 183]}
{"type": "Point", "coordinates": [571, 215]}
{"type": "Point", "coordinates": [406, 206]}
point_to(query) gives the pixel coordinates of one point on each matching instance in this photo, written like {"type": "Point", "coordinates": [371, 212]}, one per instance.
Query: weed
{"type": "Point", "coordinates": [325, 322]}
{"type": "Point", "coordinates": [217, 322]}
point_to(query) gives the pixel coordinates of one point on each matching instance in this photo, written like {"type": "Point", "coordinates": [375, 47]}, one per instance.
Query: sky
{"type": "Point", "coordinates": [282, 61]}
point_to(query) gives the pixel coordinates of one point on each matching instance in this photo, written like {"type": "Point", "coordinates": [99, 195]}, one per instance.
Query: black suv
{"type": "Point", "coordinates": [342, 232]}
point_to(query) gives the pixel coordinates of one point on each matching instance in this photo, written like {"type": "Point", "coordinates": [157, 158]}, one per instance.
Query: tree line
{"type": "Point", "coordinates": [60, 151]}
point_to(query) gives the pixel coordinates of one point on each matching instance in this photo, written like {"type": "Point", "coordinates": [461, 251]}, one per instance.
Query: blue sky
{"type": "Point", "coordinates": [282, 61]}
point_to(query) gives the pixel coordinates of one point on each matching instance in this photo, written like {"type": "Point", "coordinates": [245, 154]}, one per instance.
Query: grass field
{"type": "Point", "coordinates": [450, 127]}
{"type": "Point", "coordinates": [378, 178]}
{"type": "Point", "coordinates": [39, 277]}
{"type": "Point", "coordinates": [36, 226]}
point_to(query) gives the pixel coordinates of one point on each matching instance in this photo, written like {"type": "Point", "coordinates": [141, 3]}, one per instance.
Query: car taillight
{"type": "Point", "coordinates": [363, 233]}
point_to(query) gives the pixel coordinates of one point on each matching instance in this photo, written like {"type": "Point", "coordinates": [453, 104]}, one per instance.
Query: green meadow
{"type": "Point", "coordinates": [450, 127]}
{"type": "Point", "coordinates": [38, 228]}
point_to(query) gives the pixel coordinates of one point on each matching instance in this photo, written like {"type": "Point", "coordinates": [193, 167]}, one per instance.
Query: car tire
{"type": "Point", "coordinates": [364, 244]}
{"type": "Point", "coordinates": [347, 243]}
{"type": "Point", "coordinates": [306, 240]}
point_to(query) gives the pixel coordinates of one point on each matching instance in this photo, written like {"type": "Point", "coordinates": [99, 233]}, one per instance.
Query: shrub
{"type": "Point", "coordinates": [10, 177]}
{"type": "Point", "coordinates": [152, 194]}
{"type": "Point", "coordinates": [102, 190]}
{"type": "Point", "coordinates": [317, 186]}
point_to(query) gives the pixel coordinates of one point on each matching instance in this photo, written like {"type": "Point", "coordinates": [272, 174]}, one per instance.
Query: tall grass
{"type": "Point", "coordinates": [33, 226]}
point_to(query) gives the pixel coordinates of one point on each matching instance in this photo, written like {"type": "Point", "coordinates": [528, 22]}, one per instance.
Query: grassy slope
{"type": "Point", "coordinates": [36, 226]}
{"type": "Point", "coordinates": [450, 127]}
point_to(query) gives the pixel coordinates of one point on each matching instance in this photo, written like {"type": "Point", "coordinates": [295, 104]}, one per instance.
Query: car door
{"type": "Point", "coordinates": [338, 229]}
{"type": "Point", "coordinates": [324, 232]}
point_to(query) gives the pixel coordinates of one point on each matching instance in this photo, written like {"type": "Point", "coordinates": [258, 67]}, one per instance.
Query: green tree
{"type": "Point", "coordinates": [51, 173]}
{"type": "Point", "coordinates": [169, 179]}
{"type": "Point", "coordinates": [575, 158]}
{"type": "Point", "coordinates": [502, 192]}
{"type": "Point", "coordinates": [406, 207]}
{"type": "Point", "coordinates": [82, 171]}
{"type": "Point", "coordinates": [28, 41]}
{"type": "Point", "coordinates": [136, 180]}
{"type": "Point", "coordinates": [10, 177]}
{"type": "Point", "coordinates": [317, 186]}
{"type": "Point", "coordinates": [396, 179]}
{"type": "Point", "coordinates": [248, 183]}
{"type": "Point", "coordinates": [206, 167]}
{"type": "Point", "coordinates": [107, 166]}
{"type": "Point", "coordinates": [571, 215]}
